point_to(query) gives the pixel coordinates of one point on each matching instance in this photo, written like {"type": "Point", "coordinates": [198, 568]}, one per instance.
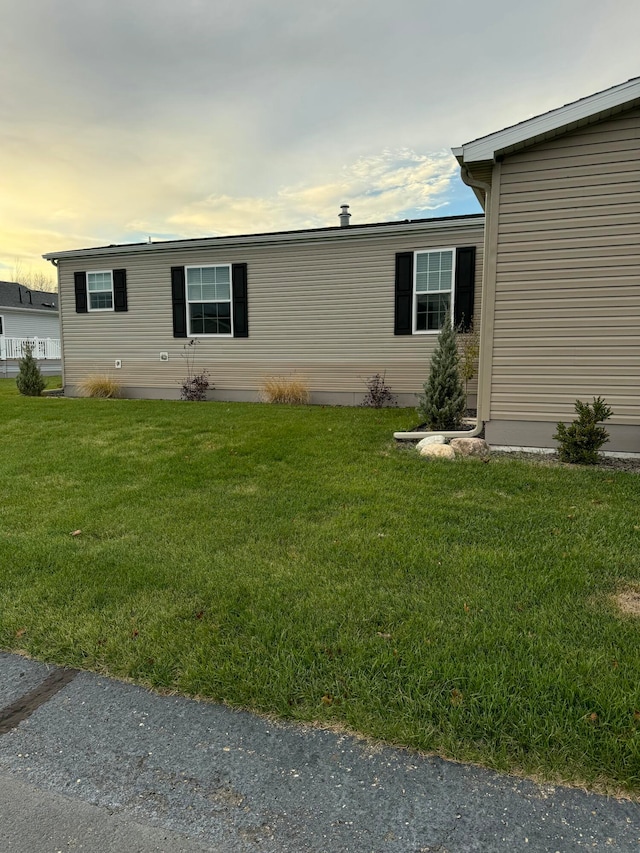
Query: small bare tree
{"type": "Point", "coordinates": [468, 351]}
{"type": "Point", "coordinates": [33, 279]}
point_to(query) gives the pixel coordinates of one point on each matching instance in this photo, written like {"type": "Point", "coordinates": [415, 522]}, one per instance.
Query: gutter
{"type": "Point", "coordinates": [393, 229]}
{"type": "Point", "coordinates": [412, 436]}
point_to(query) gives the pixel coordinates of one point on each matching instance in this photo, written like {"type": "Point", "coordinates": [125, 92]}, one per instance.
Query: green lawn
{"type": "Point", "coordinates": [294, 561]}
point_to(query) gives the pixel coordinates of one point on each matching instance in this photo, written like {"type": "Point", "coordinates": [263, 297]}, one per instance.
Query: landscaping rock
{"type": "Point", "coordinates": [430, 439]}
{"type": "Point", "coordinates": [438, 451]}
{"type": "Point", "coordinates": [476, 447]}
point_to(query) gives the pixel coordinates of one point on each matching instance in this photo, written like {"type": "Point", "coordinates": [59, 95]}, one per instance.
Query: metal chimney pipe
{"type": "Point", "coordinates": [345, 216]}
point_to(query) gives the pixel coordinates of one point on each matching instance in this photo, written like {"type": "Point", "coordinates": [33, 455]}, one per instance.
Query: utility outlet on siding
{"type": "Point", "coordinates": [118, 363]}
{"type": "Point", "coordinates": [164, 356]}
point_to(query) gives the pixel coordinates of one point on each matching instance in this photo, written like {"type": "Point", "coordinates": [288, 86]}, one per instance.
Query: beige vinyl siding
{"type": "Point", "coordinates": [567, 305]}
{"type": "Point", "coordinates": [323, 309]}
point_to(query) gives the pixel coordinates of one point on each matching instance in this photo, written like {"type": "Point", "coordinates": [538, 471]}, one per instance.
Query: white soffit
{"type": "Point", "coordinates": [585, 111]}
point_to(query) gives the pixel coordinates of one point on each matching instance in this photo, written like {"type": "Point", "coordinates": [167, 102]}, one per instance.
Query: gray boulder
{"type": "Point", "coordinates": [474, 447]}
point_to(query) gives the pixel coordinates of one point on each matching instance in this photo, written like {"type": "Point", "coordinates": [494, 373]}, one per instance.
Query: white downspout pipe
{"type": "Point", "coordinates": [465, 433]}
{"type": "Point", "coordinates": [56, 262]}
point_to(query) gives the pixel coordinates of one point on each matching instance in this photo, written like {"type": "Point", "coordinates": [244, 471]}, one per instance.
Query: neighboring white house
{"type": "Point", "coordinates": [28, 317]}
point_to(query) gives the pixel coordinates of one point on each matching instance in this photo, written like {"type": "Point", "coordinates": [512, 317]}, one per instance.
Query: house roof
{"type": "Point", "coordinates": [282, 237]}
{"type": "Point", "coordinates": [577, 114]}
{"type": "Point", "coordinates": [18, 296]}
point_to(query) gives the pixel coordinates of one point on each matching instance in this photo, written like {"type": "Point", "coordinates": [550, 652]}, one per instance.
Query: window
{"type": "Point", "coordinates": [100, 290]}
{"type": "Point", "coordinates": [209, 300]}
{"type": "Point", "coordinates": [1, 325]}
{"type": "Point", "coordinates": [433, 288]}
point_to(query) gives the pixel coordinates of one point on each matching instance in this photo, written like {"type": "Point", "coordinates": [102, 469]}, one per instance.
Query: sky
{"type": "Point", "coordinates": [122, 120]}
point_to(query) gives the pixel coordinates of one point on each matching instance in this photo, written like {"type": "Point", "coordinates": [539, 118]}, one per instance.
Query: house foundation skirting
{"type": "Point", "coordinates": [230, 395]}
{"type": "Point", "coordinates": [624, 438]}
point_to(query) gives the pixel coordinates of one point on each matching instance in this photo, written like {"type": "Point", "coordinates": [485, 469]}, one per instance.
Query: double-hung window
{"type": "Point", "coordinates": [100, 290]}
{"type": "Point", "coordinates": [433, 288]}
{"type": "Point", "coordinates": [209, 300]}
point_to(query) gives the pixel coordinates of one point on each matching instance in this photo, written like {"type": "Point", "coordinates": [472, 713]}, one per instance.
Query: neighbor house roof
{"type": "Point", "coordinates": [14, 295]}
{"type": "Point", "coordinates": [553, 123]}
{"type": "Point", "coordinates": [282, 237]}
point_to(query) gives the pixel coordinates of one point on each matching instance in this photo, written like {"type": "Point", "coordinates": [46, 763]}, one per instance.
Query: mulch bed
{"type": "Point", "coordinates": [607, 463]}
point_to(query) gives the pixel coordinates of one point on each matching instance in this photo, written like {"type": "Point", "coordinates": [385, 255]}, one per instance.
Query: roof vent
{"type": "Point", "coordinates": [345, 216]}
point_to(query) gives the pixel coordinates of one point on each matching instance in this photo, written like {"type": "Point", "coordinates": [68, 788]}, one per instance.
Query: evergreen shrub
{"type": "Point", "coordinates": [443, 404]}
{"type": "Point", "coordinates": [30, 381]}
{"type": "Point", "coordinates": [580, 441]}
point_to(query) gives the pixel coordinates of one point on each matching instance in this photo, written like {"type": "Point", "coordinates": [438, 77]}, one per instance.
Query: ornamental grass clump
{"type": "Point", "coordinates": [29, 381]}
{"type": "Point", "coordinates": [443, 403]}
{"type": "Point", "coordinates": [285, 389]}
{"type": "Point", "coordinates": [99, 385]}
{"type": "Point", "coordinates": [580, 442]}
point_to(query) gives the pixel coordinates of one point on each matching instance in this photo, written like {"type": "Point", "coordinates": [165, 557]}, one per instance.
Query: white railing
{"type": "Point", "coordinates": [42, 348]}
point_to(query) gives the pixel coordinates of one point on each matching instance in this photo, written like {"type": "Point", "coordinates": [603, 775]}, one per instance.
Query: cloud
{"type": "Point", "coordinates": [120, 119]}
{"type": "Point", "coordinates": [389, 185]}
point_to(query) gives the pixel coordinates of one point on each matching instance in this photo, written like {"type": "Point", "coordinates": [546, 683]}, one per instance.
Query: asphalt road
{"type": "Point", "coordinates": [104, 766]}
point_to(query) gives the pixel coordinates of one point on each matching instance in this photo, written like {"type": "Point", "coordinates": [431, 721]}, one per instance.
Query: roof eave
{"type": "Point", "coordinates": [282, 238]}
{"type": "Point", "coordinates": [29, 310]}
{"type": "Point", "coordinates": [579, 113]}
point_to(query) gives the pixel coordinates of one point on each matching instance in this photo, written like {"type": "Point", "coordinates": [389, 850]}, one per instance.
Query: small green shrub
{"type": "Point", "coordinates": [378, 394]}
{"type": "Point", "coordinates": [580, 441]}
{"type": "Point", "coordinates": [444, 401]}
{"type": "Point", "coordinates": [29, 380]}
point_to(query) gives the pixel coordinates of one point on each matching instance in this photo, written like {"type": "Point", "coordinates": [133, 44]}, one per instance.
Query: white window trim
{"type": "Point", "coordinates": [414, 306]}
{"type": "Point", "coordinates": [113, 297]}
{"type": "Point", "coordinates": [188, 301]}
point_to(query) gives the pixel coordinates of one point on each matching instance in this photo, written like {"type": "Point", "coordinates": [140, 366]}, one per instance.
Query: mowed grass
{"type": "Point", "coordinates": [293, 560]}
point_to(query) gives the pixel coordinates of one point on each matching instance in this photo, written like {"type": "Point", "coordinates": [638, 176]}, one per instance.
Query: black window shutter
{"type": "Point", "coordinates": [465, 287]}
{"type": "Point", "coordinates": [80, 281]}
{"type": "Point", "coordinates": [404, 294]}
{"type": "Point", "coordinates": [119, 290]}
{"type": "Point", "coordinates": [240, 302]}
{"type": "Point", "coordinates": [179, 300]}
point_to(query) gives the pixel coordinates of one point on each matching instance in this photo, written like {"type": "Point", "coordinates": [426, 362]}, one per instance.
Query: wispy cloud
{"type": "Point", "coordinates": [120, 119]}
{"type": "Point", "coordinates": [389, 185]}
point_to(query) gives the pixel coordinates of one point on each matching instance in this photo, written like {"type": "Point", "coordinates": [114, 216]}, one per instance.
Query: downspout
{"type": "Point", "coordinates": [412, 436]}
{"type": "Point", "coordinates": [56, 262]}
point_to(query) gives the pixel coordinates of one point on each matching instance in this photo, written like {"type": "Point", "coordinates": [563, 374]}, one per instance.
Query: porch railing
{"type": "Point", "coordinates": [42, 348]}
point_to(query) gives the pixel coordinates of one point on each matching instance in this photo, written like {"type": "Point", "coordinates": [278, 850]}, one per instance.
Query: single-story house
{"type": "Point", "coordinates": [552, 279]}
{"type": "Point", "coordinates": [28, 317]}
{"type": "Point", "coordinates": [333, 306]}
